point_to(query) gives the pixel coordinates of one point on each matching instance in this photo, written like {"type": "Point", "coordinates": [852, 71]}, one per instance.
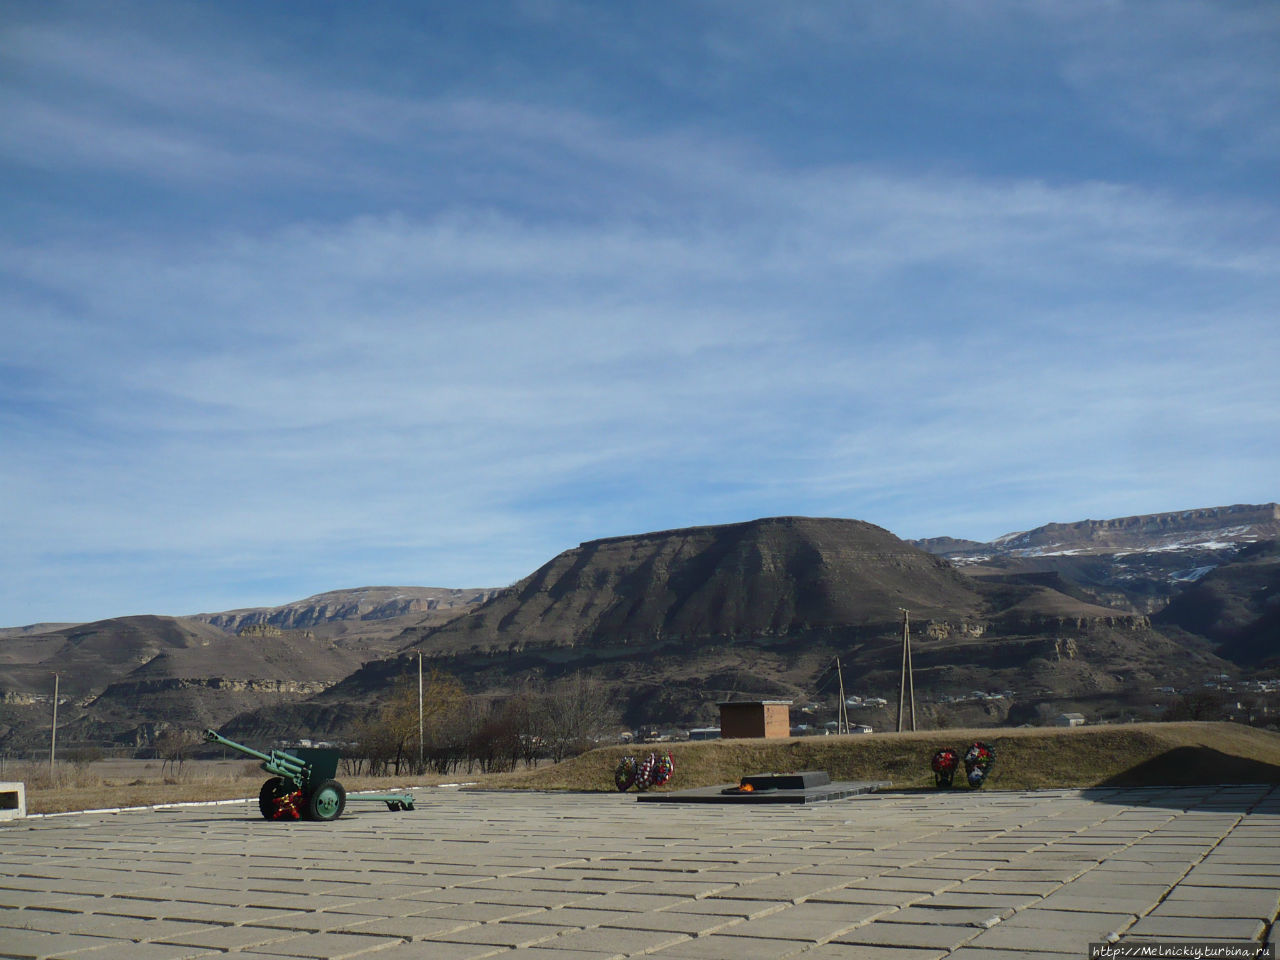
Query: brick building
{"type": "Point", "coordinates": [755, 718]}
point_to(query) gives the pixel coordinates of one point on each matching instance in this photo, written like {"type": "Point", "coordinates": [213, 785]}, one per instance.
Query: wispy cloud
{"type": "Point", "coordinates": [432, 333]}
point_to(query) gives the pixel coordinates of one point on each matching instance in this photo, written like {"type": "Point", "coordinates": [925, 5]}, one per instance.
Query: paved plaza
{"type": "Point", "coordinates": [907, 876]}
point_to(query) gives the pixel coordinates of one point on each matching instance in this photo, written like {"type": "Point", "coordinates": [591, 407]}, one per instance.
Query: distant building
{"type": "Point", "coordinates": [833, 726]}
{"type": "Point", "coordinates": [755, 718]}
{"type": "Point", "coordinates": [1069, 720]}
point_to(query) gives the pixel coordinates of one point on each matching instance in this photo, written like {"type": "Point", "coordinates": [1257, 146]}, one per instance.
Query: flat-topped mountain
{"type": "Point", "coordinates": [772, 577]}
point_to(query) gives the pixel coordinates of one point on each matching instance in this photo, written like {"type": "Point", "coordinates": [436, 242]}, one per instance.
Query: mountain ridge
{"type": "Point", "coordinates": [756, 607]}
{"type": "Point", "coordinates": [1234, 524]}
{"type": "Point", "coordinates": [1139, 562]}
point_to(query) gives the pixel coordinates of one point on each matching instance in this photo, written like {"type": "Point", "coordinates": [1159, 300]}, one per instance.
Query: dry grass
{"type": "Point", "coordinates": [1154, 754]}
{"type": "Point", "coordinates": [110, 784]}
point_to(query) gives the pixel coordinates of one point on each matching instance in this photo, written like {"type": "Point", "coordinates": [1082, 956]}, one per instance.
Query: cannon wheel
{"type": "Point", "coordinates": [270, 794]}
{"type": "Point", "coordinates": [327, 801]}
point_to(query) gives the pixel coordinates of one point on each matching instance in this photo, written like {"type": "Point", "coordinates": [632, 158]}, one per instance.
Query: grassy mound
{"type": "Point", "coordinates": [1151, 754]}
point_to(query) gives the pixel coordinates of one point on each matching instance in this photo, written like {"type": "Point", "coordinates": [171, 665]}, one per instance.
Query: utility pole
{"type": "Point", "coordinates": [53, 734]}
{"type": "Point", "coordinates": [420, 723]}
{"type": "Point", "coordinates": [842, 716]}
{"type": "Point", "coordinates": [908, 678]}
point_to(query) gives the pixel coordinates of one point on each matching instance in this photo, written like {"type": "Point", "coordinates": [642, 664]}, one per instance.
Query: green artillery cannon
{"type": "Point", "coordinates": [302, 783]}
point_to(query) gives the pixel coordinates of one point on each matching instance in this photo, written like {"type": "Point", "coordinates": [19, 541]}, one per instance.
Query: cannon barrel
{"type": "Point", "coordinates": [213, 736]}
{"type": "Point", "coordinates": [277, 762]}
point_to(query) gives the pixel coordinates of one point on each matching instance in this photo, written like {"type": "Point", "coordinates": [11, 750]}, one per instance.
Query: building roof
{"type": "Point", "coordinates": [762, 703]}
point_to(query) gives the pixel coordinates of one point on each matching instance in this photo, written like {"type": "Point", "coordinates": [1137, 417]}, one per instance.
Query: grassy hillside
{"type": "Point", "coordinates": [1026, 759]}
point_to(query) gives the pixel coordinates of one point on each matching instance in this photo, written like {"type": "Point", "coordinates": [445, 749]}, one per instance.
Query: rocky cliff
{"type": "Point", "coordinates": [1236, 607]}
{"type": "Point", "coordinates": [1136, 563]}
{"type": "Point", "coordinates": [1188, 530]}
{"type": "Point", "coordinates": [361, 604]}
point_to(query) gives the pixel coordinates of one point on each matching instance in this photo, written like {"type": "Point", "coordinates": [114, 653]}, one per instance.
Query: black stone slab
{"type": "Point", "coordinates": [788, 781]}
{"type": "Point", "coordinates": [817, 794]}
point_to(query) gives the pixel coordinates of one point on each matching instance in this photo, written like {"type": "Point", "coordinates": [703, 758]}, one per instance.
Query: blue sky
{"type": "Point", "coordinates": [297, 297]}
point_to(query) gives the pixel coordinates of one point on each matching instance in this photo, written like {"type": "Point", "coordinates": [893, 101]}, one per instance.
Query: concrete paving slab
{"type": "Point", "coordinates": [128, 950]}
{"type": "Point", "coordinates": [1089, 903]}
{"type": "Point", "coordinates": [1198, 878]}
{"type": "Point", "coordinates": [326, 946]}
{"type": "Point", "coordinates": [628, 942]}
{"type": "Point", "coordinates": [577, 917]}
{"type": "Point", "coordinates": [632, 902]}
{"type": "Point", "coordinates": [219, 913]}
{"type": "Point", "coordinates": [415, 951]}
{"type": "Point", "coordinates": [17, 899]}
{"type": "Point", "coordinates": [780, 888]}
{"type": "Point", "coordinates": [841, 951]}
{"type": "Point", "coordinates": [1095, 924]}
{"type": "Point", "coordinates": [1023, 940]}
{"type": "Point", "coordinates": [565, 871]}
{"type": "Point", "coordinates": [990, 953]}
{"type": "Point", "coordinates": [312, 922]}
{"type": "Point", "coordinates": [39, 944]}
{"type": "Point", "coordinates": [816, 917]}
{"type": "Point", "coordinates": [933, 871]}
{"type": "Point", "coordinates": [867, 895]}
{"type": "Point", "coordinates": [142, 931]}
{"type": "Point", "coordinates": [408, 928]}
{"type": "Point", "coordinates": [214, 937]}
{"type": "Point", "coordinates": [1004, 884]}
{"type": "Point", "coordinates": [1225, 895]}
{"type": "Point", "coordinates": [918, 935]}
{"type": "Point", "coordinates": [982, 902]}
{"type": "Point", "coordinates": [950, 916]}
{"type": "Point", "coordinates": [718, 947]}
{"type": "Point", "coordinates": [900, 884]}
{"type": "Point", "coordinates": [1222, 868]}
{"type": "Point", "coordinates": [742, 909]}
{"type": "Point", "coordinates": [481, 912]}
{"type": "Point", "coordinates": [1243, 907]}
{"type": "Point", "coordinates": [692, 924]}
{"type": "Point", "coordinates": [504, 933]}
{"type": "Point", "coordinates": [1198, 928]}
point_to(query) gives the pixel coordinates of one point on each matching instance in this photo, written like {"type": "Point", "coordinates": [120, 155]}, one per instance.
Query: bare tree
{"type": "Point", "coordinates": [390, 741]}
{"type": "Point", "coordinates": [82, 757]}
{"type": "Point", "coordinates": [525, 716]}
{"type": "Point", "coordinates": [172, 746]}
{"type": "Point", "coordinates": [577, 711]}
